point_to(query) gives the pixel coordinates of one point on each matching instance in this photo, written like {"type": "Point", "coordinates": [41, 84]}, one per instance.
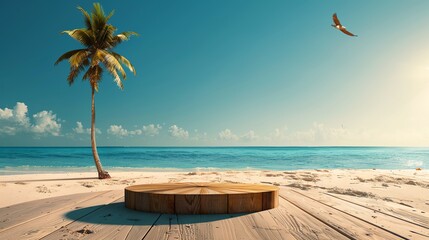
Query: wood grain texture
{"type": "Point", "coordinates": [401, 226]}
{"type": "Point", "coordinates": [24, 212]}
{"type": "Point", "coordinates": [414, 216]}
{"type": "Point", "coordinates": [41, 225]}
{"type": "Point", "coordinates": [301, 225]}
{"type": "Point", "coordinates": [201, 198]}
{"type": "Point", "coordinates": [336, 219]}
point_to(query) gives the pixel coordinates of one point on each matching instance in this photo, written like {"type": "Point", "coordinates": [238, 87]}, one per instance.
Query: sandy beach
{"type": "Point", "coordinates": [407, 187]}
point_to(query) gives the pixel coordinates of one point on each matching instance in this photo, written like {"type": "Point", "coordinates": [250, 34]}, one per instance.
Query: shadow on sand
{"type": "Point", "coordinates": [118, 214]}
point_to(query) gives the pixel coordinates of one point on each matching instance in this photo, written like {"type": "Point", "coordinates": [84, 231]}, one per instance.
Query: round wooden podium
{"type": "Point", "coordinates": [201, 198]}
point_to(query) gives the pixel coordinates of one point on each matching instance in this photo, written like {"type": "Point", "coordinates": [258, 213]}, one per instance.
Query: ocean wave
{"type": "Point", "coordinates": [414, 163]}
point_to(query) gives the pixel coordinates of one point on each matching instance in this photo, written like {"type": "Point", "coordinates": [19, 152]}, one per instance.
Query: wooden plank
{"type": "Point", "coordinates": [403, 228]}
{"type": "Point", "coordinates": [346, 224]}
{"type": "Point", "coordinates": [140, 231]}
{"type": "Point", "coordinates": [197, 226]}
{"type": "Point", "coordinates": [165, 227]}
{"type": "Point", "coordinates": [253, 226]}
{"type": "Point", "coordinates": [112, 221]}
{"type": "Point", "coordinates": [260, 225]}
{"type": "Point", "coordinates": [21, 213]}
{"type": "Point", "coordinates": [36, 228]}
{"type": "Point", "coordinates": [302, 225]}
{"type": "Point", "coordinates": [392, 209]}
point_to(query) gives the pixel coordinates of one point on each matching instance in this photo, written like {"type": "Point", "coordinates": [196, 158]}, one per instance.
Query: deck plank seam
{"type": "Point", "coordinates": [405, 220]}
{"type": "Point", "coordinates": [421, 234]}
{"type": "Point", "coordinates": [361, 219]}
{"type": "Point", "coordinates": [320, 220]}
{"type": "Point", "coordinates": [51, 212]}
{"type": "Point", "coordinates": [75, 220]}
{"type": "Point", "coordinates": [153, 224]}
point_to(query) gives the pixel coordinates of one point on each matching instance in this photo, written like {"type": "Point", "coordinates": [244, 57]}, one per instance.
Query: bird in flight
{"type": "Point", "coordinates": [340, 27]}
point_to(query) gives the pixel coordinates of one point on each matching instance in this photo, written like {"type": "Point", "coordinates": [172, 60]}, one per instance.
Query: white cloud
{"type": "Point", "coordinates": [228, 135]}
{"type": "Point", "coordinates": [151, 130]}
{"type": "Point", "coordinates": [117, 130]}
{"type": "Point", "coordinates": [46, 123]}
{"type": "Point", "coordinates": [81, 130]}
{"type": "Point", "coordinates": [178, 132]}
{"type": "Point", "coordinates": [8, 130]}
{"type": "Point", "coordinates": [135, 132]}
{"type": "Point", "coordinates": [18, 115]}
{"type": "Point", "coordinates": [250, 136]}
{"type": "Point", "coordinates": [6, 113]}
{"type": "Point", "coordinates": [319, 134]}
{"type": "Point", "coordinates": [16, 120]}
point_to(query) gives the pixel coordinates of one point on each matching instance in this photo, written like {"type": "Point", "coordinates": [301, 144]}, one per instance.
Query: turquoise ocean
{"type": "Point", "coordinates": [21, 160]}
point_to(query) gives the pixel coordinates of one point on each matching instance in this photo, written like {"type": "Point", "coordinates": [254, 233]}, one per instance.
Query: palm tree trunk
{"type": "Point", "coordinates": [101, 173]}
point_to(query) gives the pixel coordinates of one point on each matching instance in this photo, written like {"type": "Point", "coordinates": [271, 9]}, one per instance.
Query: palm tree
{"type": "Point", "coordinates": [97, 56]}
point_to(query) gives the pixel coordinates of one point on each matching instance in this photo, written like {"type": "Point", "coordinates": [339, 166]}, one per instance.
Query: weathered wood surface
{"type": "Point", "coordinates": [300, 215]}
{"type": "Point", "coordinates": [35, 225]}
{"type": "Point", "coordinates": [201, 198]}
{"type": "Point", "coordinates": [402, 226]}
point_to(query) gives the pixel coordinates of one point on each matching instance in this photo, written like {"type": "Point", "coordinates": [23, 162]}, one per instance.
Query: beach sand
{"type": "Point", "coordinates": [407, 187]}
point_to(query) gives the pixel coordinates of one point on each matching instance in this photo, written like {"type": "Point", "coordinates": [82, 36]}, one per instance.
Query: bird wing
{"type": "Point", "coordinates": [335, 18]}
{"type": "Point", "coordinates": [347, 32]}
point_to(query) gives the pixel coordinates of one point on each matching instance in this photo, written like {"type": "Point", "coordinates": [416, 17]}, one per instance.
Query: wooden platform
{"type": "Point", "coordinates": [201, 198]}
{"type": "Point", "coordinates": [300, 215]}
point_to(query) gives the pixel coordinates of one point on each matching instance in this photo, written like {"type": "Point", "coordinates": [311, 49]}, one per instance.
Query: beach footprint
{"type": "Point", "coordinates": [42, 189]}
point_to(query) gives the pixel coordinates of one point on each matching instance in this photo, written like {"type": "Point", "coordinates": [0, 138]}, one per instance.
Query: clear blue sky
{"type": "Point", "coordinates": [223, 73]}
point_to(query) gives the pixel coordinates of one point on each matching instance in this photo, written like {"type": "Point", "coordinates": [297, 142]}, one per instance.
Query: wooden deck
{"type": "Point", "coordinates": [300, 215]}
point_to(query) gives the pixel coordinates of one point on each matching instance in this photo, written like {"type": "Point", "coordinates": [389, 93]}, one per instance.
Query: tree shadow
{"type": "Point", "coordinates": [118, 214]}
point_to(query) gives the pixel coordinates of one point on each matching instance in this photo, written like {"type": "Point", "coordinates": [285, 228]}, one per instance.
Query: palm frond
{"type": "Point", "coordinates": [74, 72]}
{"type": "Point", "coordinates": [67, 55]}
{"type": "Point", "coordinates": [93, 74]}
{"type": "Point", "coordinates": [81, 35]}
{"type": "Point", "coordinates": [124, 61]}
{"type": "Point", "coordinates": [79, 65]}
{"type": "Point", "coordinates": [105, 35]}
{"type": "Point", "coordinates": [110, 15]}
{"type": "Point", "coordinates": [87, 18]}
{"type": "Point", "coordinates": [78, 58]}
{"type": "Point", "coordinates": [98, 18]}
{"type": "Point", "coordinates": [112, 66]}
{"type": "Point", "coordinates": [116, 78]}
{"type": "Point", "coordinates": [124, 36]}
{"type": "Point", "coordinates": [127, 35]}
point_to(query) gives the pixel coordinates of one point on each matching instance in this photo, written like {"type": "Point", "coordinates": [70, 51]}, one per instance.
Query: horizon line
{"type": "Point", "coordinates": [236, 146]}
